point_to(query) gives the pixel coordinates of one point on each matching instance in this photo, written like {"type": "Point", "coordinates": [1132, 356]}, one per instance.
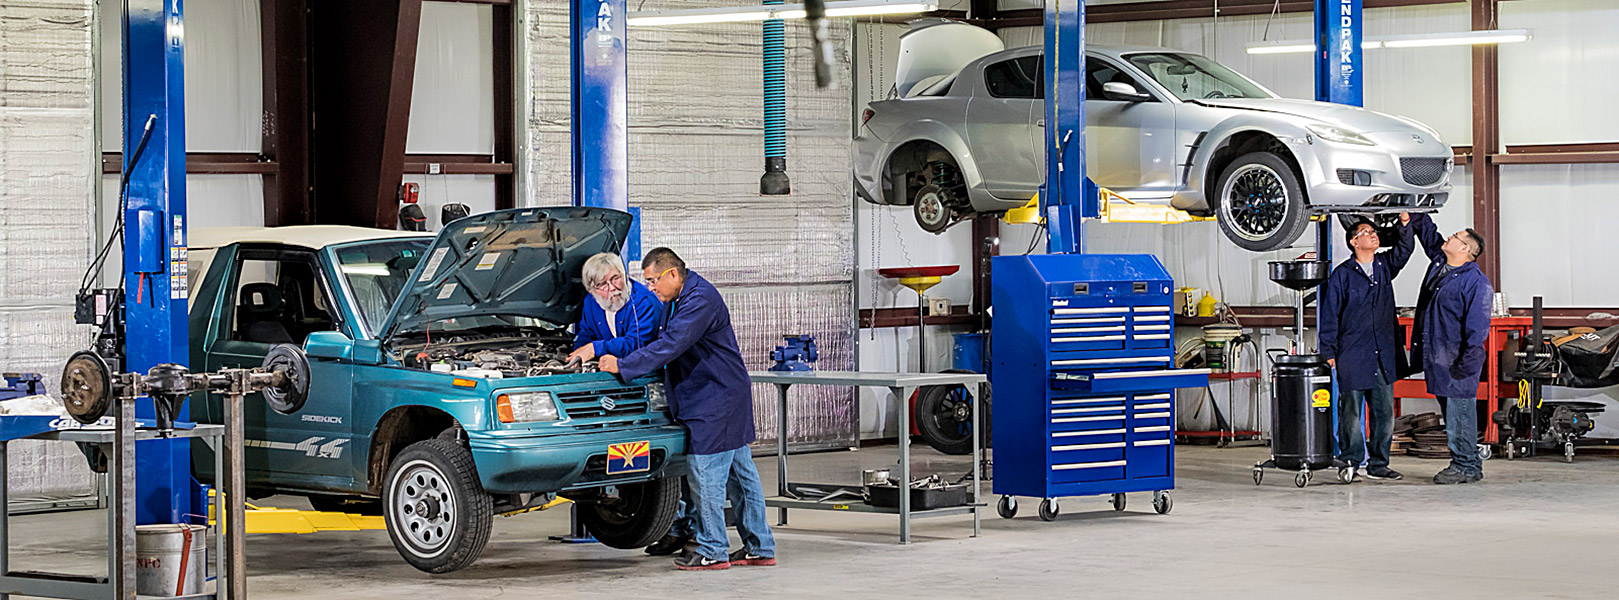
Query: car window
{"type": "Point", "coordinates": [1193, 77]}
{"type": "Point", "coordinates": [376, 272]}
{"type": "Point", "coordinates": [1015, 78]}
{"type": "Point", "coordinates": [278, 298]}
{"type": "Point", "coordinates": [1099, 72]}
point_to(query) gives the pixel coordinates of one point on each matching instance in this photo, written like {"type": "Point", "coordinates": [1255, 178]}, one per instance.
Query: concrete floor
{"type": "Point", "coordinates": [1533, 529]}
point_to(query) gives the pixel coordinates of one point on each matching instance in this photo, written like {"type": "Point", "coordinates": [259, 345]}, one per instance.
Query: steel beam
{"type": "Point", "coordinates": [1487, 142]}
{"type": "Point", "coordinates": [503, 36]}
{"type": "Point", "coordinates": [284, 52]}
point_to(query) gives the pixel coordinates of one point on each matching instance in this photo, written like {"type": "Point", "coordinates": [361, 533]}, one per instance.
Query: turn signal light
{"type": "Point", "coordinates": [459, 382]}
{"type": "Point", "coordinates": [503, 409]}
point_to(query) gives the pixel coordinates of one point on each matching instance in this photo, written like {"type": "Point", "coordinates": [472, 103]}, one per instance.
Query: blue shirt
{"type": "Point", "coordinates": [637, 323]}
{"type": "Point", "coordinates": [1453, 320]}
{"type": "Point", "coordinates": [709, 390]}
{"type": "Point", "coordinates": [1359, 327]}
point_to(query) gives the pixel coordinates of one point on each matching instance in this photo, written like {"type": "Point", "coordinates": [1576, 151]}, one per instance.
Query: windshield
{"type": "Point", "coordinates": [376, 272]}
{"type": "Point", "coordinates": [1193, 77]}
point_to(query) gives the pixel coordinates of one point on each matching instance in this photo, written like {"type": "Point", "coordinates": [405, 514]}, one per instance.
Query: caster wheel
{"type": "Point", "coordinates": [1048, 509]}
{"type": "Point", "coordinates": [1346, 474]}
{"type": "Point", "coordinates": [1007, 507]}
{"type": "Point", "coordinates": [1512, 450]}
{"type": "Point", "coordinates": [1162, 503]}
{"type": "Point", "coordinates": [1568, 452]}
{"type": "Point", "coordinates": [1118, 502]}
{"type": "Point", "coordinates": [1486, 452]}
{"type": "Point", "coordinates": [1259, 475]}
{"type": "Point", "coordinates": [1301, 480]}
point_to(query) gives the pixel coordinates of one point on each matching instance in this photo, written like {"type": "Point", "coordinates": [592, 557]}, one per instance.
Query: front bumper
{"type": "Point", "coordinates": [1346, 178]}
{"type": "Point", "coordinates": [510, 464]}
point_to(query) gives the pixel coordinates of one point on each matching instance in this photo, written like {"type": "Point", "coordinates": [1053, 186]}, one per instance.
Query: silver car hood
{"type": "Point", "coordinates": [1352, 118]}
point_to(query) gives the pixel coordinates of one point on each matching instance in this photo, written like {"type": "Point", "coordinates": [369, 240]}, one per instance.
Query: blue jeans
{"type": "Point", "coordinates": [1379, 400]}
{"type": "Point", "coordinates": [685, 526]}
{"type": "Point", "coordinates": [732, 473]}
{"type": "Point", "coordinates": [1461, 429]}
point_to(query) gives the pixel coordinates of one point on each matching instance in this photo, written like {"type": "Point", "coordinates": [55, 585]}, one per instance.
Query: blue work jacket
{"type": "Point", "coordinates": [637, 323]}
{"type": "Point", "coordinates": [1358, 324]}
{"type": "Point", "coordinates": [1453, 321]}
{"type": "Point", "coordinates": [708, 386]}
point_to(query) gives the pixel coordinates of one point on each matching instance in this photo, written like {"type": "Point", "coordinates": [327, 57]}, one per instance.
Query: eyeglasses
{"type": "Point", "coordinates": [1364, 232]}
{"type": "Point", "coordinates": [659, 277]}
{"type": "Point", "coordinates": [613, 281]}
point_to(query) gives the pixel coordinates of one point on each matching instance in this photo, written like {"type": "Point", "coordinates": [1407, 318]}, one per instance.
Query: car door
{"type": "Point", "coordinates": [1129, 145]}
{"type": "Point", "coordinates": [999, 119]}
{"type": "Point", "coordinates": [275, 295]}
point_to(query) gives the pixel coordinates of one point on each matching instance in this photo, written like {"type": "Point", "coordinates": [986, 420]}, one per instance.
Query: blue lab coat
{"type": "Point", "coordinates": [637, 323]}
{"type": "Point", "coordinates": [1358, 324]}
{"type": "Point", "coordinates": [708, 385]}
{"type": "Point", "coordinates": [1453, 321]}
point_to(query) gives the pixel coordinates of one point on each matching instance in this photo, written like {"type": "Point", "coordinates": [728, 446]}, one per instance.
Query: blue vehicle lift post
{"type": "Point", "coordinates": [154, 273]}
{"type": "Point", "coordinates": [1338, 79]}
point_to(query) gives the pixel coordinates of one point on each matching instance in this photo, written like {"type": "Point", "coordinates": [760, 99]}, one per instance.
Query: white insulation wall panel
{"type": "Point", "coordinates": [696, 151]}
{"type": "Point", "coordinates": [1557, 88]}
{"type": "Point", "coordinates": [48, 168]}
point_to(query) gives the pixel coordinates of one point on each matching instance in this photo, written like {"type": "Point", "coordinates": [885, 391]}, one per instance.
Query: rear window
{"type": "Point", "coordinates": [1015, 78]}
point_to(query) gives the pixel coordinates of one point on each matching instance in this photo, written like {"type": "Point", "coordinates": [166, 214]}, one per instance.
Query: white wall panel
{"type": "Point", "coordinates": [1558, 234]}
{"type": "Point", "coordinates": [1558, 87]}
{"type": "Point", "coordinates": [452, 107]}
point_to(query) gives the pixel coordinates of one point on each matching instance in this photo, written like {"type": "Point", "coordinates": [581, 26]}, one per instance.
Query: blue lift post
{"type": "Point", "coordinates": [600, 107]}
{"type": "Point", "coordinates": [155, 277]}
{"type": "Point", "coordinates": [1082, 344]}
{"type": "Point", "coordinates": [1338, 79]}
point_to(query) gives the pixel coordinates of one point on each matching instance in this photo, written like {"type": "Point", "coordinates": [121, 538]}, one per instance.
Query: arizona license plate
{"type": "Point", "coordinates": [629, 457]}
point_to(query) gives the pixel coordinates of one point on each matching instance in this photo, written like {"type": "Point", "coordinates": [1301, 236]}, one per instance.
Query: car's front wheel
{"type": "Point", "coordinates": [438, 514]}
{"type": "Point", "coordinates": [1261, 204]}
{"type": "Point", "coordinates": [642, 513]}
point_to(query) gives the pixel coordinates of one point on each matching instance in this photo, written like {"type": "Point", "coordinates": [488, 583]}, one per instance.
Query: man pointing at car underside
{"type": "Point", "coordinates": [709, 393]}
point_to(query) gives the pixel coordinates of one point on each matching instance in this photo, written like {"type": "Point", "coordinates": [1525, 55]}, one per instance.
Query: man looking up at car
{"type": "Point", "coordinates": [1360, 338]}
{"type": "Point", "coordinates": [709, 393]}
{"type": "Point", "coordinates": [1447, 341]}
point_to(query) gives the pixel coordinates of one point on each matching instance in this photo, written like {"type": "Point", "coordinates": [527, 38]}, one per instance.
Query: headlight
{"type": "Point", "coordinates": [526, 406]}
{"type": "Point", "coordinates": [656, 399]}
{"type": "Point", "coordinates": [1338, 134]}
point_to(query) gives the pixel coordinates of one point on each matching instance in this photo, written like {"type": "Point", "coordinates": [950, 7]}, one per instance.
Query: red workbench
{"type": "Point", "coordinates": [1491, 389]}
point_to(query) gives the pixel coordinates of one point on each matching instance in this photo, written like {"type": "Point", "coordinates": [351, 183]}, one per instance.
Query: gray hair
{"type": "Point", "coordinates": [601, 266]}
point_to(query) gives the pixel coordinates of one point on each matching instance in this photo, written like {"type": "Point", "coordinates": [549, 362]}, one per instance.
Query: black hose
{"type": "Point", "coordinates": [123, 205]}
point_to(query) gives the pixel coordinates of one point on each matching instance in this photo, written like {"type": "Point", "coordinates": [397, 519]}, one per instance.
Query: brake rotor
{"type": "Point", "coordinates": [86, 387]}
{"type": "Point", "coordinates": [290, 361]}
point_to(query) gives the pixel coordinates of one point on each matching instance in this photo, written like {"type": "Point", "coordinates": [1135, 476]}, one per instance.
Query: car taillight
{"type": "Point", "coordinates": [867, 115]}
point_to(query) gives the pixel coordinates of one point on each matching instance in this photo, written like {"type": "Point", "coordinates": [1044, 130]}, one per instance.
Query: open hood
{"type": "Point", "coordinates": [936, 49]}
{"type": "Point", "coordinates": [520, 262]}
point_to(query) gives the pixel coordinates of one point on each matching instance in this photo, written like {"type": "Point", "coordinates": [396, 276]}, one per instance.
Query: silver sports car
{"type": "Point", "coordinates": [961, 133]}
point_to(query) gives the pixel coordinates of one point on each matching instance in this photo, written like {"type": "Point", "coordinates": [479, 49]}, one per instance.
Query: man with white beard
{"type": "Point", "coordinates": [625, 316]}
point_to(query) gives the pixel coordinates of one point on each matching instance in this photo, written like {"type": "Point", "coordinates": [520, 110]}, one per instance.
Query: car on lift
{"type": "Point", "coordinates": [963, 132]}
{"type": "Point", "coordinates": [439, 391]}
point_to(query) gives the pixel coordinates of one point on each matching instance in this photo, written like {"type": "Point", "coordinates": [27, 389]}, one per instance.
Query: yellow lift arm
{"type": "Point", "coordinates": [1115, 209]}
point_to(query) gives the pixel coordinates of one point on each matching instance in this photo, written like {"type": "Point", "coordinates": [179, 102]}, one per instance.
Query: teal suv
{"type": "Point", "coordinates": [439, 395]}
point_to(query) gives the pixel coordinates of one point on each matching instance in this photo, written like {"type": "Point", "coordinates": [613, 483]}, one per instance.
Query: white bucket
{"type": "Point", "coordinates": [163, 567]}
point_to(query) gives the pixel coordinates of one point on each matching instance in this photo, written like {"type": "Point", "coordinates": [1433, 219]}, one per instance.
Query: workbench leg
{"type": "Point", "coordinates": [781, 450]}
{"type": "Point", "coordinates": [978, 453]}
{"type": "Point", "coordinates": [235, 516]}
{"type": "Point", "coordinates": [221, 543]}
{"type": "Point", "coordinates": [121, 524]}
{"type": "Point", "coordinates": [904, 463]}
{"type": "Point", "coordinates": [5, 516]}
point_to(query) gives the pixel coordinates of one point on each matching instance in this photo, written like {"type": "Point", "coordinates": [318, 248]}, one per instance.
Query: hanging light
{"type": "Point", "coordinates": [765, 12]}
{"type": "Point", "coordinates": [1420, 40]}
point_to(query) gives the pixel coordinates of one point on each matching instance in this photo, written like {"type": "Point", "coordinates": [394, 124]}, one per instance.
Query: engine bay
{"type": "Point", "coordinates": [492, 356]}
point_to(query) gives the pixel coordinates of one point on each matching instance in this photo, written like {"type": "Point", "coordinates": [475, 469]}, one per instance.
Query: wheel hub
{"type": "Point", "coordinates": [961, 413]}
{"type": "Point", "coordinates": [424, 507]}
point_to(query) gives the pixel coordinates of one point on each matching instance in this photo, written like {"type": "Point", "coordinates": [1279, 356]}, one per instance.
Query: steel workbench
{"type": "Point", "coordinates": [901, 384]}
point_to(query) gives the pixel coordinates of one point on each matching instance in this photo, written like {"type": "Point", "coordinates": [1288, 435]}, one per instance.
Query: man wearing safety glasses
{"type": "Point", "coordinates": [1452, 325]}
{"type": "Point", "coordinates": [710, 393]}
{"type": "Point", "coordinates": [624, 317]}
{"type": "Point", "coordinates": [1360, 338]}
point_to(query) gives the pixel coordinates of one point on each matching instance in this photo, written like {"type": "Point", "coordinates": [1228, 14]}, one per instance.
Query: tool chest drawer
{"type": "Point", "coordinates": [1129, 381]}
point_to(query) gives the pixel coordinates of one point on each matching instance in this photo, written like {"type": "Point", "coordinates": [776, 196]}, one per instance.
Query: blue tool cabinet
{"type": "Point", "coordinates": [1083, 371]}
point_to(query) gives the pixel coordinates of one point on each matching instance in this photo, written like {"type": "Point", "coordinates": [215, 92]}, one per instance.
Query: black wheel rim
{"type": "Point", "coordinates": [1254, 202]}
{"type": "Point", "coordinates": [952, 416]}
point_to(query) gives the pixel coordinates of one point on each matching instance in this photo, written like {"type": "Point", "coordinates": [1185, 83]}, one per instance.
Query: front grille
{"type": "Point", "coordinates": [1422, 171]}
{"type": "Point", "coordinates": [588, 404]}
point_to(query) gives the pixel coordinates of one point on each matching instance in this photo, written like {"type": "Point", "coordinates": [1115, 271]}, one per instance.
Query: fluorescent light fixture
{"type": "Point", "coordinates": [736, 14]}
{"type": "Point", "coordinates": [1421, 40]}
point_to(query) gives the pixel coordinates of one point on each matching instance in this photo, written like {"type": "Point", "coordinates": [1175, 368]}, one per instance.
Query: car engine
{"type": "Point", "coordinates": [494, 356]}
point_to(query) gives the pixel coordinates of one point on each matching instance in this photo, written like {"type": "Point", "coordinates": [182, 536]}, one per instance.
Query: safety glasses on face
{"type": "Point", "coordinates": [1364, 233]}
{"type": "Point", "coordinates": [612, 282]}
{"type": "Point", "coordinates": [653, 280]}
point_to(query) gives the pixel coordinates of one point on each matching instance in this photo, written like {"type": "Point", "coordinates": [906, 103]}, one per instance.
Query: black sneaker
{"type": "Point", "coordinates": [741, 558]}
{"type": "Point", "coordinates": [1451, 476]}
{"type": "Point", "coordinates": [1383, 473]}
{"type": "Point", "coordinates": [693, 561]}
{"type": "Point", "coordinates": [667, 546]}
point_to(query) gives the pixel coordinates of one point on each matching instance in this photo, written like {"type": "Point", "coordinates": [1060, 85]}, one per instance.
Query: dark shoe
{"type": "Point", "coordinates": [1384, 473]}
{"type": "Point", "coordinates": [1451, 476]}
{"type": "Point", "coordinates": [667, 546]}
{"type": "Point", "coordinates": [741, 558]}
{"type": "Point", "coordinates": [693, 561]}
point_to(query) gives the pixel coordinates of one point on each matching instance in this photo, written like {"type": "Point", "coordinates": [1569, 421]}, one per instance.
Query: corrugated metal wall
{"type": "Point", "coordinates": [48, 168]}
{"type": "Point", "coordinates": [784, 264]}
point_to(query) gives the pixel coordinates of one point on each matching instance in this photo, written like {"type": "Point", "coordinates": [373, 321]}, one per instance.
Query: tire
{"type": "Point", "coordinates": [1119, 502]}
{"type": "Point", "coordinates": [345, 504]}
{"type": "Point", "coordinates": [1260, 203]}
{"type": "Point", "coordinates": [438, 514]}
{"type": "Point", "coordinates": [1162, 503]}
{"type": "Point", "coordinates": [1048, 509]}
{"type": "Point", "coordinates": [1007, 507]}
{"type": "Point", "coordinates": [642, 513]}
{"type": "Point", "coordinates": [931, 207]}
{"type": "Point", "coordinates": [940, 421]}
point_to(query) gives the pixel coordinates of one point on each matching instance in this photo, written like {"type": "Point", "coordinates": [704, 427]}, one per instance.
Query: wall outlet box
{"type": "Point", "coordinates": [938, 307]}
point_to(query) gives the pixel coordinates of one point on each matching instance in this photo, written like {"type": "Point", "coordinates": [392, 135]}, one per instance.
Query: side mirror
{"type": "Point", "coordinates": [329, 344]}
{"type": "Point", "coordinates": [1119, 91]}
